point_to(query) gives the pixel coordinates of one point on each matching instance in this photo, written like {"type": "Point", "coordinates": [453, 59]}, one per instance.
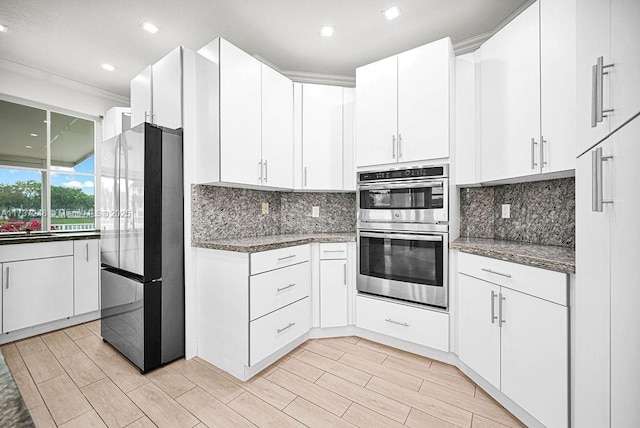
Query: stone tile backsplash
{"type": "Point", "coordinates": [227, 212]}
{"type": "Point", "coordinates": [542, 212]}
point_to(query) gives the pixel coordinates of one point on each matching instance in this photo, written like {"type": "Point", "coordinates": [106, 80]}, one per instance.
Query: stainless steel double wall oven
{"type": "Point", "coordinates": [403, 234]}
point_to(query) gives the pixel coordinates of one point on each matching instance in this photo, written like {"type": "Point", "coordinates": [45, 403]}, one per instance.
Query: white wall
{"type": "Point", "coordinates": [60, 94]}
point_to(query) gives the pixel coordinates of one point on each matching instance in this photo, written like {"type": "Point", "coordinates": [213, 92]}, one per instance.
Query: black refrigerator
{"type": "Point", "coordinates": [142, 247]}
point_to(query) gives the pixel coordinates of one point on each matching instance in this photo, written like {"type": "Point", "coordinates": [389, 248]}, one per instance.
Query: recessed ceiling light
{"type": "Point", "coordinates": [34, 135]}
{"type": "Point", "coordinates": [149, 27]}
{"type": "Point", "coordinates": [326, 31]}
{"type": "Point", "coordinates": [3, 28]}
{"type": "Point", "coordinates": [107, 67]}
{"type": "Point", "coordinates": [392, 13]}
{"type": "Point", "coordinates": [28, 147]}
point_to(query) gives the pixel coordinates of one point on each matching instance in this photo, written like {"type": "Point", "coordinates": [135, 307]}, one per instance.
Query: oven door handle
{"type": "Point", "coordinates": [432, 238]}
{"type": "Point", "coordinates": [403, 185]}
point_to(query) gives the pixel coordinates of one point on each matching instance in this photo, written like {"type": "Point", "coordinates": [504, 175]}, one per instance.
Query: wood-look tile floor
{"type": "Point", "coordinates": [70, 378]}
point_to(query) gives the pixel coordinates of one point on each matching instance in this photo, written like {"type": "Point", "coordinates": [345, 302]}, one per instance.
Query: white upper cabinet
{"type": "Point", "coordinates": [467, 157]}
{"type": "Point", "coordinates": [510, 99]}
{"type": "Point", "coordinates": [240, 116]}
{"type": "Point", "coordinates": [608, 92]}
{"type": "Point", "coordinates": [277, 129]}
{"type": "Point", "coordinates": [403, 106]}
{"type": "Point", "coordinates": [558, 84]}
{"type": "Point", "coordinates": [424, 82]}
{"type": "Point", "coordinates": [322, 135]}
{"type": "Point", "coordinates": [156, 93]}
{"type": "Point", "coordinates": [141, 97]}
{"type": "Point", "coordinates": [348, 139]}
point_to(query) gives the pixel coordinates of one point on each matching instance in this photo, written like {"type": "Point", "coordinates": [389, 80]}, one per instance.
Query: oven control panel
{"type": "Point", "coordinates": [399, 174]}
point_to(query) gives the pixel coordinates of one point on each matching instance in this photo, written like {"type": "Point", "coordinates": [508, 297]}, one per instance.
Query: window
{"type": "Point", "coordinates": [47, 170]}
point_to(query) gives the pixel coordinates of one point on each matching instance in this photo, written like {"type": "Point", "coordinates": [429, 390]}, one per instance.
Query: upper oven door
{"type": "Point", "coordinates": [419, 201]}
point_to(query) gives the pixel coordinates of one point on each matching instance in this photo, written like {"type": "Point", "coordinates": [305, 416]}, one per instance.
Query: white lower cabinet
{"type": "Point", "coordinates": [36, 291]}
{"type": "Point", "coordinates": [86, 273]}
{"type": "Point", "coordinates": [420, 326]}
{"type": "Point", "coordinates": [517, 341]}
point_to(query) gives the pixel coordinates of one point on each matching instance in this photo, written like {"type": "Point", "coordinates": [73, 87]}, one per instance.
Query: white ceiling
{"type": "Point", "coordinates": [70, 38]}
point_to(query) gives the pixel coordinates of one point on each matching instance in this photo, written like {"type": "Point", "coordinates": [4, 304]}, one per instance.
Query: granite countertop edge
{"type": "Point", "coordinates": [273, 242]}
{"type": "Point", "coordinates": [35, 238]}
{"type": "Point", "coordinates": [559, 259]}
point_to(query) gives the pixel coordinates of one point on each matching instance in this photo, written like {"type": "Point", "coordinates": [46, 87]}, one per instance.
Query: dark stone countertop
{"type": "Point", "coordinates": [36, 237]}
{"type": "Point", "coordinates": [272, 242]}
{"type": "Point", "coordinates": [559, 259]}
{"type": "Point", "coordinates": [13, 411]}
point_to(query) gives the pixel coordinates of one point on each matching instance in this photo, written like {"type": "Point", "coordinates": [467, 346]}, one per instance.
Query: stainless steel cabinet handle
{"type": "Point", "coordinates": [500, 319]}
{"type": "Point", "coordinates": [291, 324]}
{"type": "Point", "coordinates": [399, 146]}
{"type": "Point", "coordinates": [493, 307]}
{"type": "Point", "coordinates": [287, 287]}
{"type": "Point", "coordinates": [542, 161]}
{"type": "Point", "coordinates": [86, 251]}
{"type": "Point", "coordinates": [7, 284]}
{"type": "Point", "coordinates": [393, 146]}
{"type": "Point", "coordinates": [533, 153]}
{"type": "Point", "coordinates": [506, 275]}
{"type": "Point", "coordinates": [286, 258]}
{"type": "Point", "coordinates": [260, 171]}
{"type": "Point", "coordinates": [333, 251]}
{"type": "Point", "coordinates": [404, 324]}
{"type": "Point", "coordinates": [597, 98]}
{"type": "Point", "coordinates": [305, 176]}
{"type": "Point", "coordinates": [266, 171]}
{"type": "Point", "coordinates": [597, 181]}
{"type": "Point", "coordinates": [345, 274]}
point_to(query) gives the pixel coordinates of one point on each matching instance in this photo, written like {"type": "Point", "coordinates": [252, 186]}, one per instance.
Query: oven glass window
{"type": "Point", "coordinates": [414, 261]}
{"type": "Point", "coordinates": [407, 198]}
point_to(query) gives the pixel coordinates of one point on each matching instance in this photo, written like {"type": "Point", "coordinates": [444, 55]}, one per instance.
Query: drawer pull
{"type": "Point", "coordinates": [7, 285]}
{"type": "Point", "coordinates": [506, 275]}
{"type": "Point", "coordinates": [286, 258]}
{"type": "Point", "coordinates": [291, 324]}
{"type": "Point", "coordinates": [333, 251]}
{"type": "Point", "coordinates": [404, 324]}
{"type": "Point", "coordinates": [287, 287]}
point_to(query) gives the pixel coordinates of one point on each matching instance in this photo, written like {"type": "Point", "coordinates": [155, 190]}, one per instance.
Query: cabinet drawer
{"type": "Point", "coordinates": [332, 251]}
{"type": "Point", "coordinates": [421, 326]}
{"type": "Point", "coordinates": [273, 331]}
{"type": "Point", "coordinates": [274, 259]}
{"type": "Point", "coordinates": [542, 283]}
{"type": "Point", "coordinates": [272, 290]}
{"type": "Point", "coordinates": [38, 250]}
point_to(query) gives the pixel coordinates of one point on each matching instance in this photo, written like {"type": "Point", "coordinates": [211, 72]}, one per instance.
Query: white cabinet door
{"type": "Point", "coordinates": [348, 139]}
{"type": "Point", "coordinates": [625, 55]}
{"type": "Point", "coordinates": [333, 293]}
{"type": "Point", "coordinates": [240, 116]}
{"type": "Point", "coordinates": [423, 101]}
{"type": "Point", "coordinates": [592, 301]}
{"type": "Point", "coordinates": [625, 290]}
{"type": "Point", "coordinates": [466, 159]}
{"type": "Point", "coordinates": [322, 137]}
{"type": "Point", "coordinates": [510, 99]}
{"type": "Point", "coordinates": [86, 274]}
{"type": "Point", "coordinates": [376, 112]}
{"type": "Point", "coordinates": [558, 84]}
{"type": "Point", "coordinates": [277, 129]}
{"type": "Point", "coordinates": [592, 41]}
{"type": "Point", "coordinates": [535, 356]}
{"type": "Point", "coordinates": [36, 292]}
{"type": "Point", "coordinates": [141, 97]}
{"type": "Point", "coordinates": [167, 90]}
{"type": "Point", "coordinates": [478, 330]}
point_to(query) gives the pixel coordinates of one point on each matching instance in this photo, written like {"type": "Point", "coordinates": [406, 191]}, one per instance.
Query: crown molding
{"type": "Point", "coordinates": [473, 43]}
{"type": "Point", "coordinates": [35, 73]}
{"type": "Point", "coordinates": [321, 79]}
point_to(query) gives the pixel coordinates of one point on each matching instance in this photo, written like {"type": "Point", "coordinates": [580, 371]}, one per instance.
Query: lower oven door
{"type": "Point", "coordinates": [410, 267]}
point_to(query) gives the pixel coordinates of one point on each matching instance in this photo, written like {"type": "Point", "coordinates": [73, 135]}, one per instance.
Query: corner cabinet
{"type": "Point", "coordinates": [513, 330]}
{"type": "Point", "coordinates": [244, 119]}
{"type": "Point", "coordinates": [327, 137]}
{"type": "Point", "coordinates": [403, 106]}
{"type": "Point", "coordinates": [253, 307]}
